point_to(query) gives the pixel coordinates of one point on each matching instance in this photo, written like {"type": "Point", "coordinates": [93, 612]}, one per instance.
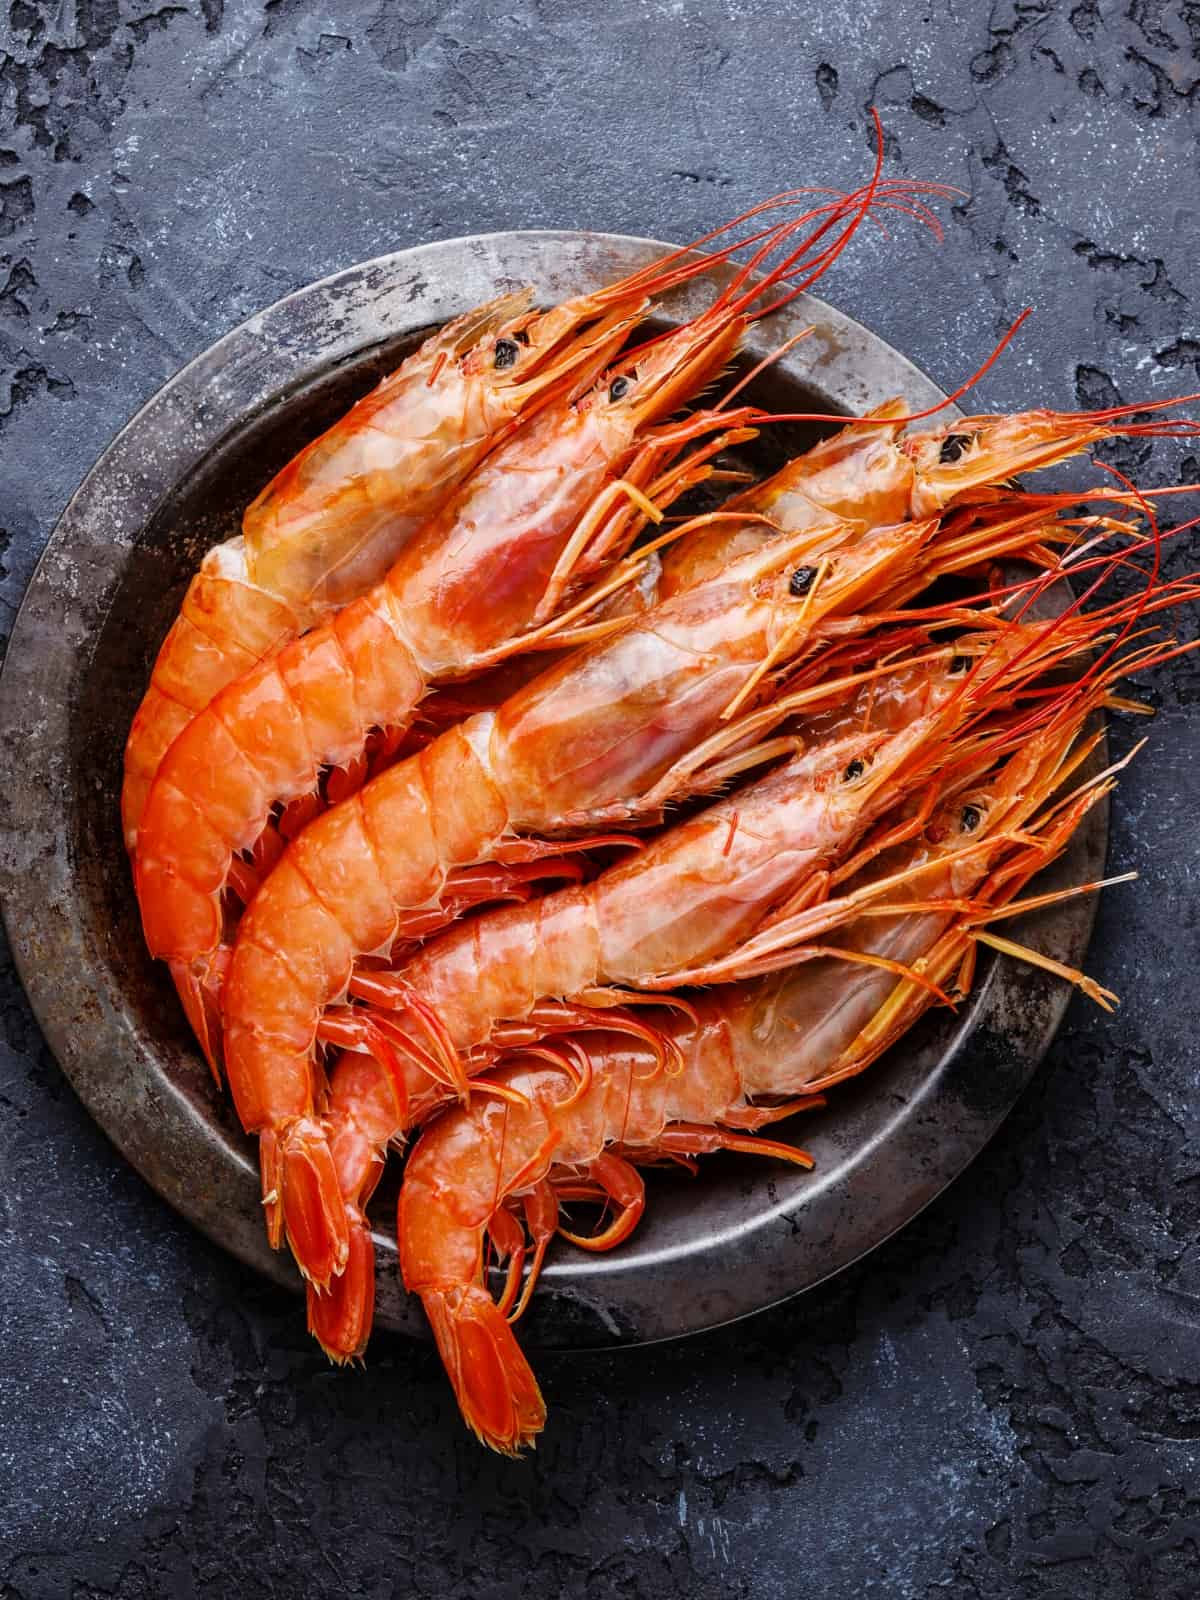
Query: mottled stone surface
{"type": "Point", "coordinates": [1006, 1399]}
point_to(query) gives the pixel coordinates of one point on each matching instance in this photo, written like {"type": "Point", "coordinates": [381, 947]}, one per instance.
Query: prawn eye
{"type": "Point", "coordinates": [854, 770]}
{"type": "Point", "coordinates": [954, 445]}
{"type": "Point", "coordinates": [970, 819]}
{"type": "Point", "coordinates": [801, 580]}
{"type": "Point", "coordinates": [507, 351]}
{"type": "Point", "coordinates": [959, 664]}
{"type": "Point", "coordinates": [619, 387]}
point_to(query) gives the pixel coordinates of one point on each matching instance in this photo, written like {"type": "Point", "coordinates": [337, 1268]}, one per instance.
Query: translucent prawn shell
{"type": "Point", "coordinates": [325, 528]}
{"type": "Point", "coordinates": [788, 1029]}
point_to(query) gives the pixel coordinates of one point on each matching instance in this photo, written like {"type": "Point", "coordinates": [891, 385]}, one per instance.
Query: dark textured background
{"type": "Point", "coordinates": [1005, 1400]}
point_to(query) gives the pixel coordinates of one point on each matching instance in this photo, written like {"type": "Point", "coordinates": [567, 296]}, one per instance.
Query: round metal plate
{"type": "Point", "coordinates": [743, 1236]}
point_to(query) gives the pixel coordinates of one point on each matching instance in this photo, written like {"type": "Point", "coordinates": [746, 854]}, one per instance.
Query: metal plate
{"type": "Point", "coordinates": [743, 1236]}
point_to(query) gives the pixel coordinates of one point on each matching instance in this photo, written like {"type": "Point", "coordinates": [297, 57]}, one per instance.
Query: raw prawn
{"type": "Point", "coordinates": [330, 524]}
{"type": "Point", "coordinates": [577, 1117]}
{"type": "Point", "coordinates": [462, 589]}
{"type": "Point", "coordinates": [627, 709]}
{"type": "Point", "coordinates": [868, 473]}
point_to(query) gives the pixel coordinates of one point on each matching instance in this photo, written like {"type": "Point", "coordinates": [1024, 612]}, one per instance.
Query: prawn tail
{"type": "Point", "coordinates": [200, 992]}
{"type": "Point", "coordinates": [340, 1317]}
{"type": "Point", "coordinates": [313, 1207]}
{"type": "Point", "coordinates": [494, 1384]}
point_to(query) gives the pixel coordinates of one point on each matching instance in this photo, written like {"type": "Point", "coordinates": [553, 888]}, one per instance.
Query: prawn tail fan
{"type": "Point", "coordinates": [492, 1380]}
{"type": "Point", "coordinates": [309, 1200]}
{"type": "Point", "coordinates": [340, 1317]}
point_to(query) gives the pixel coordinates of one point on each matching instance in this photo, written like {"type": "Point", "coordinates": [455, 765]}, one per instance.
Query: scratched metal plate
{"type": "Point", "coordinates": [743, 1236]}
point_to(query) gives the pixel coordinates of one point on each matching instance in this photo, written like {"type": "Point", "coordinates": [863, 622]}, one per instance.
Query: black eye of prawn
{"type": "Point", "coordinates": [970, 819]}
{"type": "Point", "coordinates": [854, 770]}
{"type": "Point", "coordinates": [954, 445]}
{"type": "Point", "coordinates": [959, 664]}
{"type": "Point", "coordinates": [619, 387]}
{"type": "Point", "coordinates": [801, 580]}
{"type": "Point", "coordinates": [507, 351]}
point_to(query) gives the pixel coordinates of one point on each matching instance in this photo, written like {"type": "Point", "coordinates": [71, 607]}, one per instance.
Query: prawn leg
{"type": "Point", "coordinates": [617, 1181]}
{"type": "Point", "coordinates": [313, 1210]}
{"type": "Point", "coordinates": [541, 1219]}
{"type": "Point", "coordinates": [691, 1139]}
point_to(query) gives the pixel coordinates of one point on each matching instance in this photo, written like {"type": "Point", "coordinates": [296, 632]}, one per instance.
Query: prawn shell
{"type": "Point", "coordinates": [224, 627]}
{"type": "Point", "coordinates": [476, 572]}
{"type": "Point", "coordinates": [605, 723]}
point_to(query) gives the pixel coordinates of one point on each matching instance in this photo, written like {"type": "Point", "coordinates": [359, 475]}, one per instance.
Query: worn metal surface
{"type": "Point", "coordinates": [108, 586]}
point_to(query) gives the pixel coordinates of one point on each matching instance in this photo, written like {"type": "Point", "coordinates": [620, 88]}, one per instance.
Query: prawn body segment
{"type": "Point", "coordinates": [224, 628]}
{"type": "Point", "coordinates": [260, 742]}
{"type": "Point", "coordinates": [334, 897]}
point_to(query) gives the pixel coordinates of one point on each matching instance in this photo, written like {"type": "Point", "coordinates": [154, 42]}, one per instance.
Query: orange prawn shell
{"type": "Point", "coordinates": [691, 893]}
{"type": "Point", "coordinates": [334, 520]}
{"type": "Point", "coordinates": [223, 628]}
{"type": "Point", "coordinates": [259, 590]}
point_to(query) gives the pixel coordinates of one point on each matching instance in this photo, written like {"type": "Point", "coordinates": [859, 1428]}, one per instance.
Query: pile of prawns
{"type": "Point", "coordinates": [453, 807]}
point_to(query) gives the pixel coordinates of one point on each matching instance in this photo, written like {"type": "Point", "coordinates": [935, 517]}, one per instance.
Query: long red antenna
{"type": "Point", "coordinates": [739, 295]}
{"type": "Point", "coordinates": [914, 416]}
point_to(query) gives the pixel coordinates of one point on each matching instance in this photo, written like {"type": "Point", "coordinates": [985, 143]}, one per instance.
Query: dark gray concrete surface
{"type": "Point", "coordinates": [1005, 1400]}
